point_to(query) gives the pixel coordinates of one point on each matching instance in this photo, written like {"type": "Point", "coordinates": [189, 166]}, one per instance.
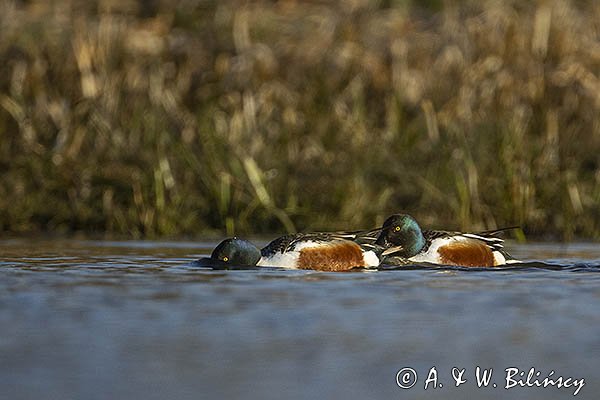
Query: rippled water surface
{"type": "Point", "coordinates": [139, 320]}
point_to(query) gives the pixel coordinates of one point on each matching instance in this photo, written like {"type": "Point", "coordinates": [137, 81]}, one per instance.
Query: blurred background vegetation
{"type": "Point", "coordinates": [198, 117]}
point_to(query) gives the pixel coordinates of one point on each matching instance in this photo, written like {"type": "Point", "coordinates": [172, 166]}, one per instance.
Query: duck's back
{"type": "Point", "coordinates": [318, 251]}
{"type": "Point", "coordinates": [465, 249]}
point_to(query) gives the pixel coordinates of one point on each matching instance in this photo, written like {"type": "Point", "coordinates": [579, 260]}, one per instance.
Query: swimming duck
{"type": "Point", "coordinates": [404, 243]}
{"type": "Point", "coordinates": [324, 251]}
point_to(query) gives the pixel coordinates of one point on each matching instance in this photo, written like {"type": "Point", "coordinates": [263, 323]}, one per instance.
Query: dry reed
{"type": "Point", "coordinates": [191, 117]}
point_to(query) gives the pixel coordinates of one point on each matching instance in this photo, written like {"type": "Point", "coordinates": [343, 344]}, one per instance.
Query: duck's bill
{"type": "Point", "coordinates": [392, 250]}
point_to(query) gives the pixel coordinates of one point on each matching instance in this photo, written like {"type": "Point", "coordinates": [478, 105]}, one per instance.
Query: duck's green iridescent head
{"type": "Point", "coordinates": [236, 251]}
{"type": "Point", "coordinates": [401, 235]}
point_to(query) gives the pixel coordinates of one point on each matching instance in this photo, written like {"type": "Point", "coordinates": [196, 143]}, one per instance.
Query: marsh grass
{"type": "Point", "coordinates": [191, 117]}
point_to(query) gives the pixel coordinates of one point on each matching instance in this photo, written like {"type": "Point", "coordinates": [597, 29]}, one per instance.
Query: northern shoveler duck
{"type": "Point", "coordinates": [319, 251]}
{"type": "Point", "coordinates": [404, 243]}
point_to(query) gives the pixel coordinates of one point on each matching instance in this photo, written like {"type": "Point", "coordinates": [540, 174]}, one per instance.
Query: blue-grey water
{"type": "Point", "coordinates": [140, 320]}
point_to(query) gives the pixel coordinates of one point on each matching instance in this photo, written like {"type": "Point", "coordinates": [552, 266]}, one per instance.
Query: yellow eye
{"type": "Point", "coordinates": [397, 229]}
{"type": "Point", "coordinates": [225, 259]}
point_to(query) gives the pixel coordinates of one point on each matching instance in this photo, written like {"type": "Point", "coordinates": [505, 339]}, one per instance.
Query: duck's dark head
{"type": "Point", "coordinates": [237, 252]}
{"type": "Point", "coordinates": [401, 236]}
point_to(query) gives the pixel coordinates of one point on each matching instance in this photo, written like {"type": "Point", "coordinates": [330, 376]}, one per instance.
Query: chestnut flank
{"type": "Point", "coordinates": [467, 253]}
{"type": "Point", "coordinates": [331, 257]}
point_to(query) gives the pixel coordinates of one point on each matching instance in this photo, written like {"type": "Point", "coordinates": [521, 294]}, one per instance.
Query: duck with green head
{"type": "Point", "coordinates": [324, 251]}
{"type": "Point", "coordinates": [236, 251]}
{"type": "Point", "coordinates": [405, 242]}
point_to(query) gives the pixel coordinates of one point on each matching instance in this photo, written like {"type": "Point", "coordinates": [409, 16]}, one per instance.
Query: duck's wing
{"type": "Point", "coordinates": [488, 237]}
{"type": "Point", "coordinates": [365, 239]}
{"type": "Point", "coordinates": [279, 245]}
{"type": "Point", "coordinates": [435, 234]}
{"type": "Point", "coordinates": [288, 243]}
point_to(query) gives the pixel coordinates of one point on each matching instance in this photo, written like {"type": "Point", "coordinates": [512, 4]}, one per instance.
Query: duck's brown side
{"type": "Point", "coordinates": [467, 253]}
{"type": "Point", "coordinates": [336, 256]}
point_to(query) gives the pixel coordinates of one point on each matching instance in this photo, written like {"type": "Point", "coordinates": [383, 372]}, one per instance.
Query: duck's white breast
{"type": "Point", "coordinates": [289, 258]}
{"type": "Point", "coordinates": [432, 255]}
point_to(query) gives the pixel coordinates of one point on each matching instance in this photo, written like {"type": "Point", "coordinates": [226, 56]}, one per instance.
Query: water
{"type": "Point", "coordinates": [125, 320]}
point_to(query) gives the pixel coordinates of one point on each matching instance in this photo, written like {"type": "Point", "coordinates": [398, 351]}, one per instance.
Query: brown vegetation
{"type": "Point", "coordinates": [152, 118]}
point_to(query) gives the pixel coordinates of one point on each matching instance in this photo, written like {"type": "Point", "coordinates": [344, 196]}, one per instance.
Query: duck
{"type": "Point", "coordinates": [322, 251]}
{"type": "Point", "coordinates": [404, 242]}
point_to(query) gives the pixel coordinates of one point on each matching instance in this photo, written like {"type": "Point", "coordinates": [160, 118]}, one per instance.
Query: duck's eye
{"type": "Point", "coordinates": [397, 229]}
{"type": "Point", "coordinates": [225, 259]}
